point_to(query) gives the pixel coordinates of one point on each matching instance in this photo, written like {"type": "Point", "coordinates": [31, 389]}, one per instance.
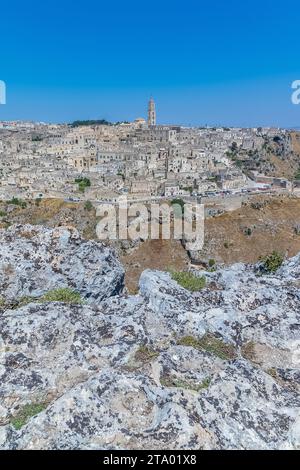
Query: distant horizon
{"type": "Point", "coordinates": [139, 109]}
{"type": "Point", "coordinates": [199, 126]}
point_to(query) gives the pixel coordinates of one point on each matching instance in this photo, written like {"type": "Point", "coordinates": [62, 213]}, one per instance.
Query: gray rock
{"type": "Point", "coordinates": [120, 372]}
{"type": "Point", "coordinates": [35, 259]}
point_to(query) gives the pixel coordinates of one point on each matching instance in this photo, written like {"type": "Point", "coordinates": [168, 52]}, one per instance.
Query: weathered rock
{"type": "Point", "coordinates": [35, 259]}
{"type": "Point", "coordinates": [290, 270]}
{"type": "Point", "coordinates": [47, 349]}
{"type": "Point", "coordinates": [215, 369]}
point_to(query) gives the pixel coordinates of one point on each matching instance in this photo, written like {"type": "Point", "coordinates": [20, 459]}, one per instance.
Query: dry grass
{"type": "Point", "coordinates": [145, 354]}
{"type": "Point", "coordinates": [248, 351]}
{"type": "Point", "coordinates": [273, 229]}
{"type": "Point", "coordinates": [211, 344]}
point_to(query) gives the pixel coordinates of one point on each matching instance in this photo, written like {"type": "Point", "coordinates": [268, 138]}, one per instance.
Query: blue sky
{"type": "Point", "coordinates": [221, 63]}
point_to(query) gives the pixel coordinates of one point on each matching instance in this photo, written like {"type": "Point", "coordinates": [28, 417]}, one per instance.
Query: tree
{"type": "Point", "coordinates": [91, 122]}
{"type": "Point", "coordinates": [83, 183]}
{"type": "Point", "coordinates": [234, 147]}
{"type": "Point", "coordinates": [88, 206]}
{"type": "Point", "coordinates": [178, 201]}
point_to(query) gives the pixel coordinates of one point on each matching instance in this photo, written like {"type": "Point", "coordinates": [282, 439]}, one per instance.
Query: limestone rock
{"type": "Point", "coordinates": [36, 259]}
{"type": "Point", "coordinates": [167, 368]}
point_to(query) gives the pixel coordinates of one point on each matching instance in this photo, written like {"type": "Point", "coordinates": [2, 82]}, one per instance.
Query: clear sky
{"type": "Point", "coordinates": [227, 62]}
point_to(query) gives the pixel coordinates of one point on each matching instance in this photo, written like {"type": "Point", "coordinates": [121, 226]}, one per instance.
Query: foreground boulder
{"type": "Point", "coordinates": [214, 369]}
{"type": "Point", "coordinates": [36, 259]}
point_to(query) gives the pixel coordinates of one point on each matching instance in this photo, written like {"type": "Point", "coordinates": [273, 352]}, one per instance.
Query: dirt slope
{"type": "Point", "coordinates": [261, 225]}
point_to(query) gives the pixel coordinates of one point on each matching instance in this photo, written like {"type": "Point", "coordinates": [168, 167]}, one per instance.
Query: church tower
{"type": "Point", "coordinates": [151, 113]}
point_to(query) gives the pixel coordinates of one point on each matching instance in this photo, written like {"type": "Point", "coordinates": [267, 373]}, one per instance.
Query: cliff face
{"type": "Point", "coordinates": [166, 368]}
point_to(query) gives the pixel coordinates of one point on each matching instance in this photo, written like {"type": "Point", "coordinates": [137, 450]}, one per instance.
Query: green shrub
{"type": "Point", "coordinates": [25, 413]}
{"type": "Point", "coordinates": [272, 262]}
{"type": "Point", "coordinates": [189, 189]}
{"type": "Point", "coordinates": [178, 201]}
{"type": "Point", "coordinates": [84, 180]}
{"type": "Point", "coordinates": [2, 214]}
{"type": "Point", "coordinates": [177, 206]}
{"type": "Point", "coordinates": [88, 206]}
{"type": "Point", "coordinates": [63, 294]}
{"type": "Point", "coordinates": [82, 183]}
{"type": "Point", "coordinates": [81, 187]}
{"type": "Point", "coordinates": [211, 262]}
{"type": "Point", "coordinates": [17, 202]}
{"type": "Point", "coordinates": [188, 280]}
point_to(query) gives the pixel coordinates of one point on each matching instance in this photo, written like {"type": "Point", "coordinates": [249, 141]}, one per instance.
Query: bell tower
{"type": "Point", "coordinates": [151, 113]}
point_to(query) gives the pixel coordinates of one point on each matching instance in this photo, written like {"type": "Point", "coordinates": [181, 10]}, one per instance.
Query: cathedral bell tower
{"type": "Point", "coordinates": [151, 113]}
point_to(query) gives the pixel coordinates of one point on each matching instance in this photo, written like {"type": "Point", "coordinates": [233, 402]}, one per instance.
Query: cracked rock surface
{"type": "Point", "coordinates": [164, 369]}
{"type": "Point", "coordinates": [36, 259]}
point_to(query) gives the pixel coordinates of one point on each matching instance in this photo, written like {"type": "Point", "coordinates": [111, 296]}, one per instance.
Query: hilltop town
{"type": "Point", "coordinates": [98, 160]}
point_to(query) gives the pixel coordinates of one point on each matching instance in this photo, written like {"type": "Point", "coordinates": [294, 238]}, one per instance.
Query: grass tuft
{"type": "Point", "coordinates": [188, 280]}
{"type": "Point", "coordinates": [145, 354]}
{"type": "Point", "coordinates": [63, 294]}
{"type": "Point", "coordinates": [272, 372]}
{"type": "Point", "coordinates": [25, 413]}
{"type": "Point", "coordinates": [248, 351]}
{"type": "Point", "coordinates": [211, 344]}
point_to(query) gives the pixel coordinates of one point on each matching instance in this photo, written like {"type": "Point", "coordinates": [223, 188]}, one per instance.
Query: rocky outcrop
{"type": "Point", "coordinates": [35, 259]}
{"type": "Point", "coordinates": [214, 369]}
